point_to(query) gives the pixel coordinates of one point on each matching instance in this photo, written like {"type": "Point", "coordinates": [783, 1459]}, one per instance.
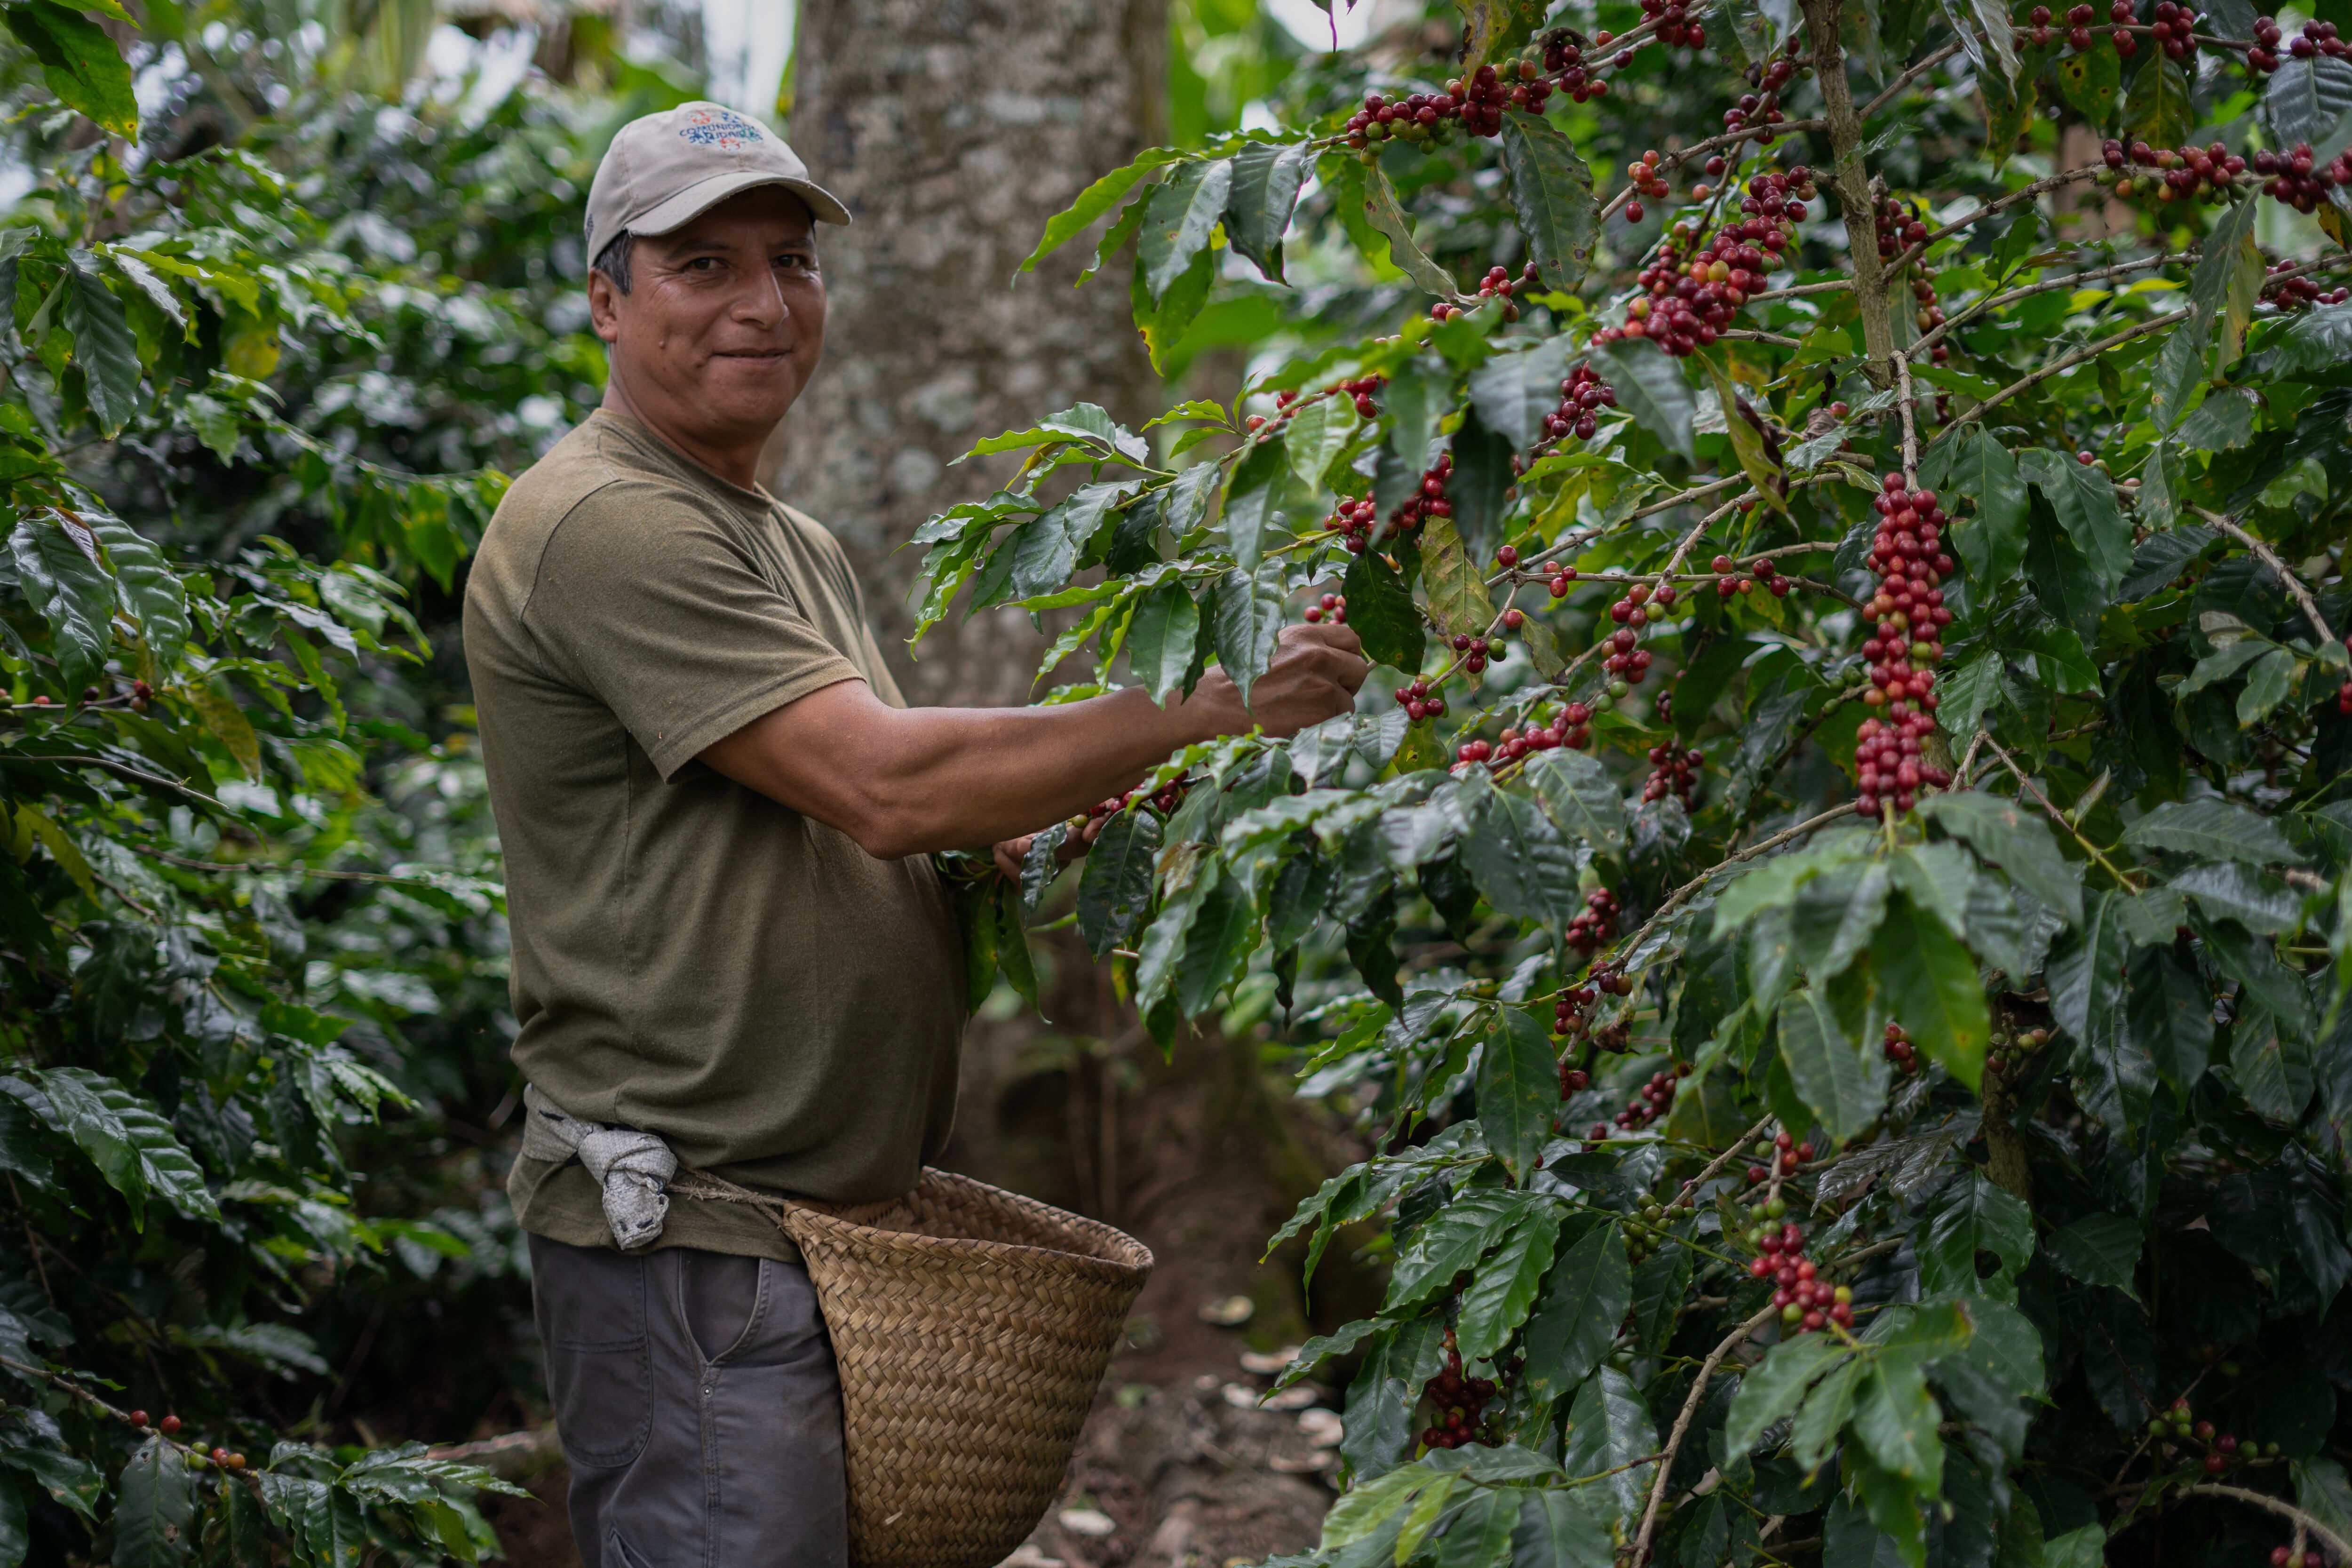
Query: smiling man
{"type": "Point", "coordinates": [730, 952]}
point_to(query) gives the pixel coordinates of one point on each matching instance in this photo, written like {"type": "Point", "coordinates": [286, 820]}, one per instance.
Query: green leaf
{"type": "Point", "coordinates": [1895, 1417]}
{"type": "Point", "coordinates": [1481, 476]}
{"type": "Point", "coordinates": [1093, 202]}
{"type": "Point", "coordinates": [2089, 82]}
{"type": "Point", "coordinates": [1254, 498]}
{"type": "Point", "coordinates": [1574, 1323]}
{"type": "Point", "coordinates": [56, 564]}
{"type": "Point", "coordinates": [1012, 941]}
{"type": "Point", "coordinates": [1505, 1285]}
{"type": "Point", "coordinates": [1974, 1215]}
{"type": "Point", "coordinates": [79, 62]}
{"type": "Point", "coordinates": [1824, 1414]}
{"type": "Point", "coordinates": [2085, 969]}
{"type": "Point", "coordinates": [131, 1145]}
{"type": "Point", "coordinates": [154, 1502]}
{"type": "Point", "coordinates": [1046, 549]}
{"type": "Point", "coordinates": [2307, 99]}
{"type": "Point", "coordinates": [1185, 207]}
{"type": "Point", "coordinates": [1161, 638]}
{"type": "Point", "coordinates": [1578, 793]}
{"type": "Point", "coordinates": [2158, 108]}
{"type": "Point", "coordinates": [2097, 1249]}
{"type": "Point", "coordinates": [1559, 1530]}
{"type": "Point", "coordinates": [1650, 386]}
{"type": "Point", "coordinates": [1380, 610]}
{"type": "Point", "coordinates": [1518, 1092]}
{"type": "Point", "coordinates": [1774, 1387]}
{"type": "Point", "coordinates": [1245, 617]}
{"type": "Point", "coordinates": [1417, 397]}
{"type": "Point", "coordinates": [2211, 829]}
{"type": "Point", "coordinates": [151, 592]}
{"type": "Point", "coordinates": [2084, 500]}
{"type": "Point", "coordinates": [1993, 542]}
{"type": "Point", "coordinates": [1609, 1428]}
{"type": "Point", "coordinates": [1457, 593]}
{"type": "Point", "coordinates": [1450, 1241]}
{"type": "Point", "coordinates": [1266, 180]}
{"type": "Point", "coordinates": [1381, 211]}
{"type": "Point", "coordinates": [1115, 886]}
{"type": "Point", "coordinates": [1519, 860]}
{"type": "Point", "coordinates": [2015, 838]}
{"type": "Point", "coordinates": [1513, 391]}
{"type": "Point", "coordinates": [16, 1530]}
{"type": "Point", "coordinates": [1746, 441]}
{"type": "Point", "coordinates": [1930, 983]}
{"type": "Point", "coordinates": [1836, 913]}
{"type": "Point", "coordinates": [1844, 1087]}
{"type": "Point", "coordinates": [1316, 432]}
{"type": "Point", "coordinates": [2231, 890]}
{"type": "Point", "coordinates": [1552, 194]}
{"type": "Point", "coordinates": [103, 344]}
{"type": "Point", "coordinates": [2171, 1014]}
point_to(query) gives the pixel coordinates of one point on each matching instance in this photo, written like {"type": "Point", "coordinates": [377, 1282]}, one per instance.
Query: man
{"type": "Point", "coordinates": [730, 948]}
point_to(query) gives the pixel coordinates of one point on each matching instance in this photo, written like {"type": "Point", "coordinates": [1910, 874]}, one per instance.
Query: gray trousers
{"type": "Point", "coordinates": [698, 1406]}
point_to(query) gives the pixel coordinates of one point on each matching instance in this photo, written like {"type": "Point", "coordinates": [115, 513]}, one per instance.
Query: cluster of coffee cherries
{"type": "Point", "coordinates": [1515, 742]}
{"type": "Point", "coordinates": [2316, 38]}
{"type": "Point", "coordinates": [1475, 105]}
{"type": "Point", "coordinates": [1594, 926]}
{"type": "Point", "coordinates": [1675, 25]}
{"type": "Point", "coordinates": [1419, 701]}
{"type": "Point", "coordinates": [2285, 1557]}
{"type": "Point", "coordinates": [1166, 799]}
{"type": "Point", "coordinates": [1673, 771]}
{"type": "Point", "coordinates": [2293, 292]}
{"type": "Point", "coordinates": [169, 1427]}
{"type": "Point", "coordinates": [1647, 180]}
{"type": "Point", "coordinates": [1899, 1048]}
{"type": "Point", "coordinates": [2007, 1051]}
{"type": "Point", "coordinates": [2222, 1449]}
{"type": "Point", "coordinates": [1569, 1012]}
{"type": "Point", "coordinates": [1654, 1099]}
{"type": "Point", "coordinates": [1332, 607]}
{"type": "Point", "coordinates": [1624, 660]}
{"type": "Point", "coordinates": [2183, 173]}
{"type": "Point", "coordinates": [2298, 179]}
{"type": "Point", "coordinates": [2344, 692]}
{"type": "Point", "coordinates": [2173, 29]}
{"type": "Point", "coordinates": [1582, 395]}
{"type": "Point", "coordinates": [1729, 579]}
{"type": "Point", "coordinates": [1563, 56]}
{"type": "Point", "coordinates": [2078, 22]}
{"type": "Point", "coordinates": [1760, 110]}
{"type": "Point", "coordinates": [1352, 520]}
{"type": "Point", "coordinates": [1909, 608]}
{"type": "Point", "coordinates": [1693, 290]}
{"type": "Point", "coordinates": [1808, 1302]}
{"type": "Point", "coordinates": [1461, 1404]}
{"type": "Point", "coordinates": [1888, 765]}
{"type": "Point", "coordinates": [1785, 1153]}
{"type": "Point", "coordinates": [1428, 499]}
{"type": "Point", "coordinates": [1573, 1079]}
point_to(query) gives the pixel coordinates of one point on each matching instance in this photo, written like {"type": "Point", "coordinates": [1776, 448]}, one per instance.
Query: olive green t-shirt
{"type": "Point", "coordinates": [691, 958]}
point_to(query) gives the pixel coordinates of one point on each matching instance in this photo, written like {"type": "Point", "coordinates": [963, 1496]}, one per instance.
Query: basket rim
{"type": "Point", "coordinates": [1139, 1260]}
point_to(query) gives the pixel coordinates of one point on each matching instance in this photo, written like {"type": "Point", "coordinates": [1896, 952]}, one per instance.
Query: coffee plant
{"type": "Point", "coordinates": [1834, 915]}
{"type": "Point", "coordinates": [187, 338]}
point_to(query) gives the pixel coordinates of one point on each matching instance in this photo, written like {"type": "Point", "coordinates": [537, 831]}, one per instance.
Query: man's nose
{"type": "Point", "coordinates": [761, 302]}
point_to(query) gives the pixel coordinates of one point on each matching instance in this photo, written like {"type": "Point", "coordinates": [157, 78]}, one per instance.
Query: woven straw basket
{"type": "Point", "coordinates": [972, 1327]}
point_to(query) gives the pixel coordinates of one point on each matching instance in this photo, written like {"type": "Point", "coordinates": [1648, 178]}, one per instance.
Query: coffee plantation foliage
{"type": "Point", "coordinates": [266, 359]}
{"type": "Point", "coordinates": [1833, 909]}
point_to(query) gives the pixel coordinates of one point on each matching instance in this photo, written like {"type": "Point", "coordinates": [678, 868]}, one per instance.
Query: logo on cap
{"type": "Point", "coordinates": [721, 128]}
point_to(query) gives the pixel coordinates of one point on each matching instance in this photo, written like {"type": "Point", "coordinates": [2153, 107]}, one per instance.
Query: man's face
{"type": "Point", "coordinates": [724, 321]}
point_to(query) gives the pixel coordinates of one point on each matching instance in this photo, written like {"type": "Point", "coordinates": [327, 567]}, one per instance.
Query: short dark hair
{"type": "Point", "coordinates": [613, 261]}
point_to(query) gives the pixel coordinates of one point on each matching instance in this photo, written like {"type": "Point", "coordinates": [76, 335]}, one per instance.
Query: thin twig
{"type": "Point", "coordinates": [1731, 1341]}
{"type": "Point", "coordinates": [1762, 845]}
{"type": "Point", "coordinates": [2279, 1506]}
{"type": "Point", "coordinates": [2034, 789]}
{"type": "Point", "coordinates": [1715, 1166]}
{"type": "Point", "coordinates": [2067, 363]}
{"type": "Point", "coordinates": [2269, 558]}
{"type": "Point", "coordinates": [1910, 429]}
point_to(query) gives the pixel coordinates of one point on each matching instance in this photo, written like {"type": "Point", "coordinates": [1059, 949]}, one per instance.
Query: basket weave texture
{"type": "Point", "coordinates": [972, 1327]}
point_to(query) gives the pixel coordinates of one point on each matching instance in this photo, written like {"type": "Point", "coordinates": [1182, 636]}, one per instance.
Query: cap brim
{"type": "Point", "coordinates": [703, 195]}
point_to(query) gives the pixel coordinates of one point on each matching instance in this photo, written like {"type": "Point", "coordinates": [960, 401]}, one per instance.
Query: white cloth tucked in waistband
{"type": "Point", "coordinates": [632, 1168]}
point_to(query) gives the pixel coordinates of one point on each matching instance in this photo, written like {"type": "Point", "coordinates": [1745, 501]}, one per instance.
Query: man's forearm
{"type": "Point", "coordinates": [905, 781]}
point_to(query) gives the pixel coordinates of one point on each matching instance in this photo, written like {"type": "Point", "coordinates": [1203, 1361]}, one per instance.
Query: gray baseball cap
{"type": "Point", "coordinates": [663, 171]}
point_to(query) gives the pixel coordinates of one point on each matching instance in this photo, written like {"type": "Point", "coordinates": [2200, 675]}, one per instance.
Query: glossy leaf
{"type": "Point", "coordinates": [1185, 207]}
{"type": "Point", "coordinates": [1651, 387]}
{"type": "Point", "coordinates": [1262, 190]}
{"type": "Point", "coordinates": [1844, 1086]}
{"type": "Point", "coordinates": [1552, 192]}
{"type": "Point", "coordinates": [1518, 1090]}
{"type": "Point", "coordinates": [1574, 1322]}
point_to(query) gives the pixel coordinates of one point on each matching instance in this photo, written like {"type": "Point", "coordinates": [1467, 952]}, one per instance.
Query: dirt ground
{"type": "Point", "coordinates": [1200, 1157]}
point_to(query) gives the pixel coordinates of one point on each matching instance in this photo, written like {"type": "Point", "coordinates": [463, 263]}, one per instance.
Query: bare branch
{"type": "Point", "coordinates": [2269, 558]}
{"type": "Point", "coordinates": [1731, 1341]}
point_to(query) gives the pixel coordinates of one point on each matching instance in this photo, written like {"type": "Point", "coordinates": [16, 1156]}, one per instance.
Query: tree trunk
{"type": "Point", "coordinates": [953, 129]}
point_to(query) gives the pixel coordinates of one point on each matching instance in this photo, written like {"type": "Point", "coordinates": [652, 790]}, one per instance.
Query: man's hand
{"type": "Point", "coordinates": [1314, 676]}
{"type": "Point", "coordinates": [1012, 852]}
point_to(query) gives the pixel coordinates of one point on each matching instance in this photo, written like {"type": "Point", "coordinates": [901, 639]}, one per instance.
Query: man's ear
{"type": "Point", "coordinates": [604, 307]}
